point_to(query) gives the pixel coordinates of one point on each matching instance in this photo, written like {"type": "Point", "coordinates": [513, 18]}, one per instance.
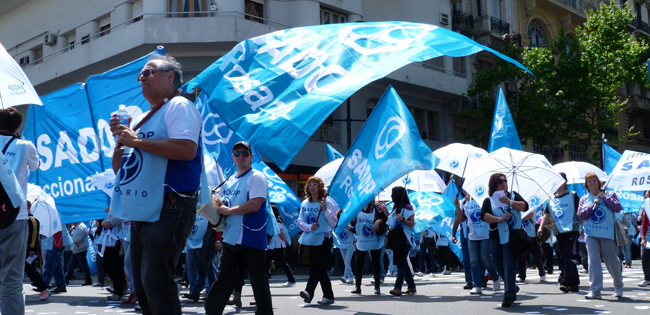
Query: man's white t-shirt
{"type": "Point", "coordinates": [183, 120]}
{"type": "Point", "coordinates": [21, 167]}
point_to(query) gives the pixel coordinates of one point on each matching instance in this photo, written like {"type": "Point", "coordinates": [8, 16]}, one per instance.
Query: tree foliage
{"type": "Point", "coordinates": [578, 87]}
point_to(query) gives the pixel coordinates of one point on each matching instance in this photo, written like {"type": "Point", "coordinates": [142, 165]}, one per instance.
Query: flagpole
{"type": "Point", "coordinates": [602, 148]}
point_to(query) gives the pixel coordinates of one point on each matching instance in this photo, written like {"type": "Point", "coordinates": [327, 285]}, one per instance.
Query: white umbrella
{"type": "Point", "coordinates": [576, 171]}
{"type": "Point", "coordinates": [104, 181]}
{"type": "Point", "coordinates": [15, 88]}
{"type": "Point", "coordinates": [529, 174]}
{"type": "Point", "coordinates": [454, 158]}
{"type": "Point", "coordinates": [632, 172]}
{"type": "Point", "coordinates": [327, 172]}
{"type": "Point", "coordinates": [44, 210]}
{"type": "Point", "coordinates": [420, 181]}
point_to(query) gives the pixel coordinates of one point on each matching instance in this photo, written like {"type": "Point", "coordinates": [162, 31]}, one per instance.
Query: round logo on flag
{"type": "Point", "coordinates": [598, 216]}
{"type": "Point", "coordinates": [480, 191]}
{"type": "Point", "coordinates": [131, 169]}
{"type": "Point", "coordinates": [406, 180]}
{"type": "Point", "coordinates": [475, 217]}
{"type": "Point", "coordinates": [393, 131]}
{"type": "Point", "coordinates": [430, 200]}
{"type": "Point", "coordinates": [214, 132]}
{"type": "Point", "coordinates": [368, 232]}
{"type": "Point", "coordinates": [453, 164]}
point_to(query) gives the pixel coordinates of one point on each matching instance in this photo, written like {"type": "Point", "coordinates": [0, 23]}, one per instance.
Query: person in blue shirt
{"type": "Point", "coordinates": [244, 240]}
{"type": "Point", "coordinates": [404, 215]}
{"type": "Point", "coordinates": [317, 218]}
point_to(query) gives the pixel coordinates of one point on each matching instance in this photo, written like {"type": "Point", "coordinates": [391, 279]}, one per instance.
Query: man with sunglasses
{"type": "Point", "coordinates": [157, 161]}
{"type": "Point", "coordinates": [244, 240]}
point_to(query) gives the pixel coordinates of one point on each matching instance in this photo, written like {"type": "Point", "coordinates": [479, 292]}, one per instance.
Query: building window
{"type": "Point", "coordinates": [536, 35]}
{"type": "Point", "coordinates": [496, 9]}
{"type": "Point", "coordinates": [137, 11]}
{"type": "Point", "coordinates": [576, 152]}
{"type": "Point", "coordinates": [254, 11]}
{"type": "Point", "coordinates": [24, 61]}
{"type": "Point", "coordinates": [436, 64]}
{"type": "Point", "coordinates": [459, 67]}
{"type": "Point", "coordinates": [427, 122]}
{"type": "Point", "coordinates": [187, 6]}
{"type": "Point", "coordinates": [71, 45]}
{"type": "Point", "coordinates": [328, 16]}
{"type": "Point", "coordinates": [85, 39]}
{"type": "Point", "coordinates": [105, 30]}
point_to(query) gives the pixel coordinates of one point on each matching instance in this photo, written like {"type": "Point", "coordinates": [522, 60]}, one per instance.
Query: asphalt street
{"type": "Point", "coordinates": [443, 294]}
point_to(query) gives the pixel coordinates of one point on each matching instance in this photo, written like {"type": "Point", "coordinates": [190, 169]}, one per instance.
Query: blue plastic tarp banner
{"type": "Point", "coordinates": [332, 154]}
{"type": "Point", "coordinates": [503, 133]}
{"type": "Point", "coordinates": [73, 138]}
{"type": "Point", "coordinates": [387, 147]}
{"type": "Point", "coordinates": [275, 90]}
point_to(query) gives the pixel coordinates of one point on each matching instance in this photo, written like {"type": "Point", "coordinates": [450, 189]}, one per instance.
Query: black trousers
{"type": "Point", "coordinates": [539, 258]}
{"type": "Point", "coordinates": [230, 272]}
{"type": "Point", "coordinates": [444, 257]}
{"type": "Point", "coordinates": [318, 271]}
{"type": "Point", "coordinates": [376, 266]}
{"type": "Point", "coordinates": [114, 266]}
{"type": "Point", "coordinates": [277, 255]}
{"type": "Point", "coordinates": [547, 249]}
{"type": "Point", "coordinates": [78, 259]}
{"type": "Point", "coordinates": [35, 276]}
{"type": "Point", "coordinates": [584, 255]}
{"type": "Point", "coordinates": [567, 242]}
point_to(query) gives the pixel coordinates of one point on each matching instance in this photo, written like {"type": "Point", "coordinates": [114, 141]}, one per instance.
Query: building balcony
{"type": "Point", "coordinates": [461, 21]}
{"type": "Point", "coordinates": [327, 133]}
{"type": "Point", "coordinates": [638, 102]}
{"type": "Point", "coordinates": [490, 30]}
{"type": "Point", "coordinates": [641, 26]}
{"type": "Point", "coordinates": [577, 8]}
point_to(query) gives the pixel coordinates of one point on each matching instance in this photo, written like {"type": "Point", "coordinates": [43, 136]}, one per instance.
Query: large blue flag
{"type": "Point", "coordinates": [387, 147]}
{"type": "Point", "coordinates": [504, 132]}
{"type": "Point", "coordinates": [275, 90]}
{"type": "Point", "coordinates": [631, 201]}
{"type": "Point", "coordinates": [610, 157]}
{"type": "Point", "coordinates": [283, 197]}
{"type": "Point", "coordinates": [435, 211]}
{"type": "Point", "coordinates": [332, 154]}
{"type": "Point", "coordinates": [73, 138]}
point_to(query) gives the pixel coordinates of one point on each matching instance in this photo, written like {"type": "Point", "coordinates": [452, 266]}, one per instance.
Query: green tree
{"type": "Point", "coordinates": [577, 90]}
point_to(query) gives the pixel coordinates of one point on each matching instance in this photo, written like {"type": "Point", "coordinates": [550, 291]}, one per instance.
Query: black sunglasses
{"type": "Point", "coordinates": [147, 72]}
{"type": "Point", "coordinates": [501, 181]}
{"type": "Point", "coordinates": [242, 153]}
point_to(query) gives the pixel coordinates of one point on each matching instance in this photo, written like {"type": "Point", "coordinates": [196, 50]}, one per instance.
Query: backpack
{"type": "Point", "coordinates": [8, 212]}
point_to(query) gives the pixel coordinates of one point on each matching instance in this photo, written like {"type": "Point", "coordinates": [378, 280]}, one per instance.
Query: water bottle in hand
{"type": "Point", "coordinates": [123, 116]}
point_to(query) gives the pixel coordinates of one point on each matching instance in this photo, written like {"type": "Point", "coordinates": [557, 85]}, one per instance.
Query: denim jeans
{"type": "Point", "coordinates": [481, 259]}
{"type": "Point", "coordinates": [54, 268]}
{"type": "Point", "coordinates": [197, 279]}
{"type": "Point", "coordinates": [347, 260]}
{"type": "Point", "coordinates": [128, 267]}
{"type": "Point", "coordinates": [155, 250]}
{"type": "Point", "coordinates": [78, 259]}
{"type": "Point", "coordinates": [467, 266]}
{"type": "Point", "coordinates": [391, 265]}
{"type": "Point", "coordinates": [402, 270]}
{"type": "Point", "coordinates": [13, 248]}
{"type": "Point", "coordinates": [233, 260]}
{"type": "Point", "coordinates": [505, 264]}
{"type": "Point", "coordinates": [626, 251]}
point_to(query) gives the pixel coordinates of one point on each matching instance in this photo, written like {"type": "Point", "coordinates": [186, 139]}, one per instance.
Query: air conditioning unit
{"type": "Point", "coordinates": [444, 19]}
{"type": "Point", "coordinates": [49, 39]}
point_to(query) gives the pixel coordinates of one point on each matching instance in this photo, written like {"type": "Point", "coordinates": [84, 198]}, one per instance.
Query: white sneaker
{"type": "Point", "coordinates": [476, 290]}
{"type": "Point", "coordinates": [496, 284]}
{"type": "Point", "coordinates": [419, 274]}
{"type": "Point", "coordinates": [45, 294]}
{"type": "Point", "coordinates": [433, 275]}
{"type": "Point", "coordinates": [350, 280]}
{"type": "Point", "coordinates": [583, 271]}
{"type": "Point", "coordinates": [592, 296]}
{"type": "Point", "coordinates": [373, 281]}
{"type": "Point", "coordinates": [542, 278]}
{"type": "Point", "coordinates": [389, 274]}
{"type": "Point", "coordinates": [618, 292]}
{"type": "Point", "coordinates": [289, 284]}
{"type": "Point", "coordinates": [325, 300]}
{"type": "Point", "coordinates": [447, 272]}
{"type": "Point", "coordinates": [644, 283]}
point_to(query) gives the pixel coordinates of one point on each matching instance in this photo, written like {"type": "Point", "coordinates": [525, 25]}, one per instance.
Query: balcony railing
{"type": "Point", "coordinates": [470, 103]}
{"type": "Point", "coordinates": [499, 26]}
{"type": "Point", "coordinates": [640, 25]}
{"type": "Point", "coordinates": [327, 133]}
{"type": "Point", "coordinates": [462, 20]}
{"type": "Point", "coordinates": [512, 38]}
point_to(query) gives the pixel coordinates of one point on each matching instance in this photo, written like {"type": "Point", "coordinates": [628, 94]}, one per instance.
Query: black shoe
{"type": "Point", "coordinates": [377, 291]}
{"type": "Point", "coordinates": [356, 290]}
{"type": "Point", "coordinates": [468, 286]}
{"type": "Point", "coordinates": [190, 296]}
{"type": "Point", "coordinates": [560, 279]}
{"type": "Point", "coordinates": [506, 303]}
{"type": "Point", "coordinates": [305, 296]}
{"type": "Point", "coordinates": [514, 296]}
{"type": "Point", "coordinates": [574, 288]}
{"type": "Point", "coordinates": [87, 283]}
{"type": "Point", "coordinates": [57, 290]}
{"type": "Point", "coordinates": [564, 288]}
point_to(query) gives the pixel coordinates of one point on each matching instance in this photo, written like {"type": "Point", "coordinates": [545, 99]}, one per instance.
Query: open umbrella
{"type": "Point", "coordinates": [576, 171]}
{"type": "Point", "coordinates": [104, 181]}
{"type": "Point", "coordinates": [454, 158]}
{"type": "Point", "coordinates": [44, 210]}
{"type": "Point", "coordinates": [15, 88]}
{"type": "Point", "coordinates": [529, 174]}
{"type": "Point", "coordinates": [327, 172]}
{"type": "Point", "coordinates": [419, 181]}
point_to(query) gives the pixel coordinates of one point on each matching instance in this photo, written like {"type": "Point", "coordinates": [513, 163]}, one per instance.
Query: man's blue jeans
{"type": "Point", "coordinates": [480, 259]}
{"type": "Point", "coordinates": [54, 267]}
{"type": "Point", "coordinates": [155, 249]}
{"type": "Point", "coordinates": [13, 247]}
{"type": "Point", "coordinates": [196, 279]}
{"type": "Point", "coordinates": [506, 265]}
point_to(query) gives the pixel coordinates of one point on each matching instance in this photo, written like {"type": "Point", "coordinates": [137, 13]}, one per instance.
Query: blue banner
{"type": "Point", "coordinates": [387, 147]}
{"type": "Point", "coordinates": [503, 133]}
{"type": "Point", "coordinates": [73, 138]}
{"type": "Point", "coordinates": [283, 197]}
{"type": "Point", "coordinates": [631, 201]}
{"type": "Point", "coordinates": [332, 154]}
{"type": "Point", "coordinates": [275, 90]}
{"type": "Point", "coordinates": [435, 211]}
{"type": "Point", "coordinates": [610, 157]}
